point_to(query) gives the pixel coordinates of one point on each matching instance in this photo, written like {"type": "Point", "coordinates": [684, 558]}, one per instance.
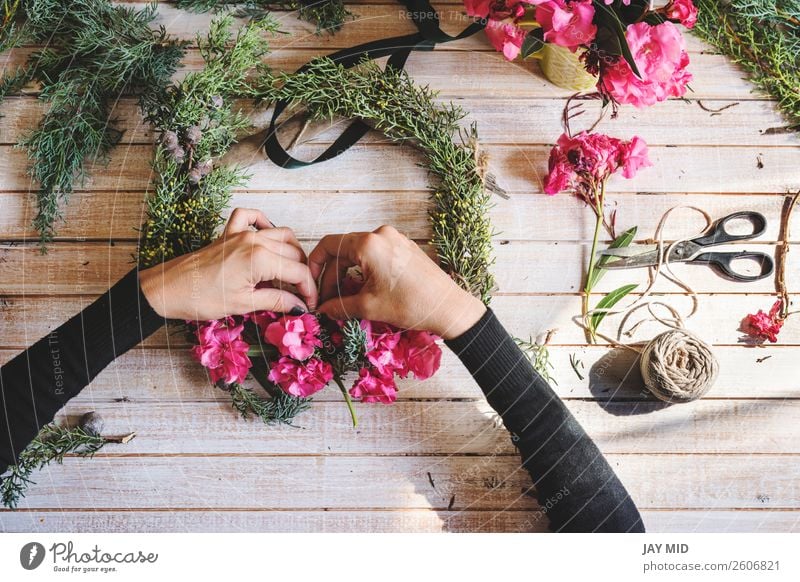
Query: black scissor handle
{"type": "Point", "coordinates": [722, 261]}
{"type": "Point", "coordinates": [718, 235]}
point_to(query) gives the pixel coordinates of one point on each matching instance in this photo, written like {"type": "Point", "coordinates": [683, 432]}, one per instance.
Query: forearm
{"type": "Point", "coordinates": [571, 475]}
{"type": "Point", "coordinates": [39, 381]}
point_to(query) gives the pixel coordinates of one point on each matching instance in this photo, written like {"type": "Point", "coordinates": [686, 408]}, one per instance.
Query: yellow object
{"type": "Point", "coordinates": [564, 68]}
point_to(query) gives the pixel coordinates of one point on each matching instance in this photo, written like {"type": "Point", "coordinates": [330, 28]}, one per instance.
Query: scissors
{"type": "Point", "coordinates": [694, 251]}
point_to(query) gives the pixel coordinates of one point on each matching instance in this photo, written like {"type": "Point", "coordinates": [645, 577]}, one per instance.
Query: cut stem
{"type": "Point", "coordinates": [347, 399]}
{"type": "Point", "coordinates": [587, 290]}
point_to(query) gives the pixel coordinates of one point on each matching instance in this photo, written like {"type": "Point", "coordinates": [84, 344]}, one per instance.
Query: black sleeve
{"type": "Point", "coordinates": [575, 485]}
{"type": "Point", "coordinates": [38, 382]}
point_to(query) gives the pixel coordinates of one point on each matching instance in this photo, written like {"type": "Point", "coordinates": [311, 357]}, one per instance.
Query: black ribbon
{"type": "Point", "coordinates": [398, 49]}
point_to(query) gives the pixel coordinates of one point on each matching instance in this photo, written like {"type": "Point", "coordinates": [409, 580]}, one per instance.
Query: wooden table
{"type": "Point", "coordinates": [438, 460]}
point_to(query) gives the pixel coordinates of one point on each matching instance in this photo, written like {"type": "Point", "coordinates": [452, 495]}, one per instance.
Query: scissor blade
{"type": "Point", "coordinates": [641, 260]}
{"type": "Point", "coordinates": [633, 251]}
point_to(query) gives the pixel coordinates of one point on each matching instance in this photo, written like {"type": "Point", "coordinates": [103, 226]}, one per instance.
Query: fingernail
{"type": "Point", "coordinates": [297, 310]}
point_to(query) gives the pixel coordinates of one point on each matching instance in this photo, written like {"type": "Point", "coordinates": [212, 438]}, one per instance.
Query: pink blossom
{"type": "Point", "coordinates": [505, 37]}
{"type": "Point", "coordinates": [222, 350]}
{"type": "Point", "coordinates": [421, 355]}
{"type": "Point", "coordinates": [372, 386]}
{"type": "Point", "coordinates": [301, 379]}
{"type": "Point", "coordinates": [567, 24]}
{"type": "Point", "coordinates": [764, 326]}
{"type": "Point", "coordinates": [294, 335]}
{"type": "Point", "coordinates": [660, 55]}
{"type": "Point", "coordinates": [684, 11]}
{"type": "Point", "coordinates": [262, 318]}
{"type": "Point", "coordinates": [382, 347]}
{"type": "Point", "coordinates": [584, 161]}
{"type": "Point", "coordinates": [634, 156]}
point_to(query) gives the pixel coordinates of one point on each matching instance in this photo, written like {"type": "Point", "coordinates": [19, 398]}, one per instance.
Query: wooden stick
{"type": "Point", "coordinates": [781, 256]}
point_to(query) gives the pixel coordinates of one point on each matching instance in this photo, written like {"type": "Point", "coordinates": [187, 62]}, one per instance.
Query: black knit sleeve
{"type": "Point", "coordinates": [575, 485]}
{"type": "Point", "coordinates": [38, 382]}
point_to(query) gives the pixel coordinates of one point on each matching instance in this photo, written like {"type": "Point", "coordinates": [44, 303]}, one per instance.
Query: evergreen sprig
{"type": "Point", "coordinates": [327, 15]}
{"type": "Point", "coordinates": [763, 36]}
{"type": "Point", "coordinates": [94, 51]}
{"type": "Point", "coordinates": [539, 356]}
{"type": "Point", "coordinates": [197, 124]}
{"type": "Point", "coordinates": [392, 103]}
{"type": "Point", "coordinates": [52, 443]}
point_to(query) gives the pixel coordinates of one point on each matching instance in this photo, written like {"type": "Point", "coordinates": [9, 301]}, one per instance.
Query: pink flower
{"type": "Point", "coordinates": [634, 156]}
{"type": "Point", "coordinates": [421, 355]}
{"type": "Point", "coordinates": [374, 387]}
{"type": "Point", "coordinates": [660, 55]}
{"type": "Point", "coordinates": [505, 37]}
{"type": "Point", "coordinates": [567, 24]}
{"type": "Point", "coordinates": [684, 11]}
{"type": "Point", "coordinates": [584, 161]}
{"type": "Point", "coordinates": [262, 318]}
{"type": "Point", "coordinates": [222, 350]}
{"type": "Point", "coordinates": [294, 335]}
{"type": "Point", "coordinates": [301, 379]}
{"type": "Point", "coordinates": [764, 326]}
{"type": "Point", "coordinates": [382, 347]}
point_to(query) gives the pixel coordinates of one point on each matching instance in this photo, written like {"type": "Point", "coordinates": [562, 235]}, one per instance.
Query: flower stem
{"type": "Point", "coordinates": [587, 290]}
{"type": "Point", "coordinates": [347, 399]}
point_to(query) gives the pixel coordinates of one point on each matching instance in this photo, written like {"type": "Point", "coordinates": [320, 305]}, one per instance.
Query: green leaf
{"type": "Point", "coordinates": [608, 302]}
{"type": "Point", "coordinates": [623, 240]}
{"type": "Point", "coordinates": [606, 17]}
{"type": "Point", "coordinates": [533, 42]}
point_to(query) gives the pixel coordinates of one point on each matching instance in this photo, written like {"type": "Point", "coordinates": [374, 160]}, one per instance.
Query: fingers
{"type": "Point", "coordinates": [273, 267]}
{"type": "Point", "coordinates": [341, 246]}
{"type": "Point", "coordinates": [243, 218]}
{"type": "Point", "coordinates": [345, 307]}
{"type": "Point", "coordinates": [285, 250]}
{"type": "Point", "coordinates": [276, 300]}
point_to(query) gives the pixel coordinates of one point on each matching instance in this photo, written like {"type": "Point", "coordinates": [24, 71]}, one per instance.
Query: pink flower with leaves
{"type": "Point", "coordinates": [764, 326]}
{"type": "Point", "coordinates": [300, 379]}
{"type": "Point", "coordinates": [222, 350]}
{"type": "Point", "coordinates": [296, 336]}
{"type": "Point", "coordinates": [372, 386]}
{"type": "Point", "coordinates": [660, 55]}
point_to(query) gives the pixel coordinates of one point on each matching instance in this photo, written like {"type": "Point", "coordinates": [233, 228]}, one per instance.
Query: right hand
{"type": "Point", "coordinates": [402, 285]}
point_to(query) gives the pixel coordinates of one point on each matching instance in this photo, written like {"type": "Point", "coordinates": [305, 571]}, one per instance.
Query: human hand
{"type": "Point", "coordinates": [244, 270]}
{"type": "Point", "coordinates": [402, 285]}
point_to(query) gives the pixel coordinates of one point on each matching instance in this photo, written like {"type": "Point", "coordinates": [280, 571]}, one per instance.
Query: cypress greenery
{"type": "Point", "coordinates": [391, 103]}
{"type": "Point", "coordinates": [763, 36]}
{"type": "Point", "coordinates": [51, 444]}
{"type": "Point", "coordinates": [94, 52]}
{"type": "Point", "coordinates": [197, 124]}
{"type": "Point", "coordinates": [328, 15]}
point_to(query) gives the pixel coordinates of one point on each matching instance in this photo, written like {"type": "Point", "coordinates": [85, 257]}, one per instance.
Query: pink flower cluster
{"type": "Point", "coordinates": [391, 352]}
{"type": "Point", "coordinates": [660, 55]}
{"type": "Point", "coordinates": [299, 369]}
{"type": "Point", "coordinates": [568, 23]}
{"type": "Point", "coordinates": [764, 326]}
{"type": "Point", "coordinates": [585, 161]}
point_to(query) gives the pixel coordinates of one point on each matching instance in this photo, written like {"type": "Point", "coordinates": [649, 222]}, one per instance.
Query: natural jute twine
{"type": "Point", "coordinates": [677, 366]}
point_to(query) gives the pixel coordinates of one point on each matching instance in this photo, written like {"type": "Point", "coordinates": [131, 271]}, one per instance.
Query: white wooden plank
{"type": "Point", "coordinates": [26, 319]}
{"type": "Point", "coordinates": [536, 121]}
{"type": "Point", "coordinates": [520, 267]}
{"type": "Point", "coordinates": [118, 215]}
{"type": "Point", "coordinates": [519, 169]}
{"type": "Point", "coordinates": [441, 483]}
{"type": "Point", "coordinates": [705, 426]}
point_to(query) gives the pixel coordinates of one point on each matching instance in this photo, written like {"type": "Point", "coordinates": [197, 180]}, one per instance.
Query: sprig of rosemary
{"type": "Point", "coordinates": [392, 103]}
{"type": "Point", "coordinates": [763, 36]}
{"type": "Point", "coordinates": [327, 15]}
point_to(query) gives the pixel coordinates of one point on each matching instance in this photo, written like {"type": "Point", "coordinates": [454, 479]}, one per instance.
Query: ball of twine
{"type": "Point", "coordinates": [677, 366]}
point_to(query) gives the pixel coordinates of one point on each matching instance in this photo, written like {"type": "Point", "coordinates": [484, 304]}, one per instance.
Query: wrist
{"type": "Point", "coordinates": [151, 283]}
{"type": "Point", "coordinates": [464, 312]}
